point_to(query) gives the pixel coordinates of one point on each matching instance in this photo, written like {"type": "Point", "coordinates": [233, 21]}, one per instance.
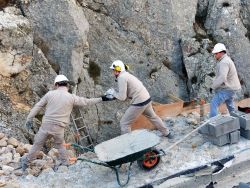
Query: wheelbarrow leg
{"type": "Point", "coordinates": [118, 176]}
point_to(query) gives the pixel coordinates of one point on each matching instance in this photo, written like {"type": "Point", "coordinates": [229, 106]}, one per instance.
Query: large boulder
{"type": "Point", "coordinates": [25, 73]}
{"type": "Point", "coordinates": [60, 31]}
{"type": "Point", "coordinates": [145, 35]}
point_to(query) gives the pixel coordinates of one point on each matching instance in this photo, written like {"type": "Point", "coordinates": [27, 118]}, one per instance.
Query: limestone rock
{"type": "Point", "coordinates": [6, 158]}
{"type": "Point", "coordinates": [15, 59]}
{"type": "Point", "coordinates": [19, 61]}
{"type": "Point", "coordinates": [38, 163]}
{"type": "Point", "coordinates": [27, 147]}
{"type": "Point", "coordinates": [3, 143]}
{"type": "Point", "coordinates": [1, 135]}
{"type": "Point", "coordinates": [12, 141]}
{"type": "Point", "coordinates": [16, 158]}
{"type": "Point", "coordinates": [34, 171]}
{"type": "Point", "coordinates": [69, 23]}
{"type": "Point", "coordinates": [53, 153]}
{"type": "Point", "coordinates": [2, 182]}
{"type": "Point", "coordinates": [20, 150]}
{"type": "Point", "coordinates": [1, 174]}
{"type": "Point", "coordinates": [18, 172]}
{"type": "Point", "coordinates": [7, 169]}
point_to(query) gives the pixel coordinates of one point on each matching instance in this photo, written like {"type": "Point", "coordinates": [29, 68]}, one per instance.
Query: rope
{"type": "Point", "coordinates": [82, 148]}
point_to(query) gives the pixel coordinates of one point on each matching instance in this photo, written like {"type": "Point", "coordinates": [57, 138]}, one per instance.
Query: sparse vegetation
{"type": "Point", "coordinates": [94, 71]}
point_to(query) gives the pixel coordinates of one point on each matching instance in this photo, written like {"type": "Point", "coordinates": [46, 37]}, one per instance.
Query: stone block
{"type": "Point", "coordinates": [237, 113]}
{"type": "Point", "coordinates": [220, 125]}
{"type": "Point", "coordinates": [243, 118]}
{"type": "Point", "coordinates": [245, 133]}
{"type": "Point", "coordinates": [204, 129]}
{"type": "Point", "coordinates": [229, 138]}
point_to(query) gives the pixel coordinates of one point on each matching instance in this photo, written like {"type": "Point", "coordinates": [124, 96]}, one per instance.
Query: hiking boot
{"type": "Point", "coordinates": [170, 135]}
{"type": "Point", "coordinates": [24, 163]}
{"type": "Point", "coordinates": [60, 163]}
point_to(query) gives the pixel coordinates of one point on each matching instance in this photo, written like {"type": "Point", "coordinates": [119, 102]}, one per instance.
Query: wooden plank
{"type": "Point", "coordinates": [162, 110]}
{"type": "Point", "coordinates": [176, 108]}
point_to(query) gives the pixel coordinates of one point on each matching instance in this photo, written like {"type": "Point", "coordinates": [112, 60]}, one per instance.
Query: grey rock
{"type": "Point", "coordinates": [60, 31]}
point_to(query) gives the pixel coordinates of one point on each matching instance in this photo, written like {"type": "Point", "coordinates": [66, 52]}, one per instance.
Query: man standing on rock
{"type": "Point", "coordinates": [226, 82]}
{"type": "Point", "coordinates": [130, 87]}
{"type": "Point", "coordinates": [58, 105]}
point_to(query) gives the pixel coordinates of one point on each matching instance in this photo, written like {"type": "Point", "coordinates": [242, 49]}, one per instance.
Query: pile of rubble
{"type": "Point", "coordinates": [11, 151]}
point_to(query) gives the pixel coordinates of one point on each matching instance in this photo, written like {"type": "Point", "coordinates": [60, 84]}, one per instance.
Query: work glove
{"type": "Point", "coordinates": [108, 98]}
{"type": "Point", "coordinates": [29, 125]}
{"type": "Point", "coordinates": [110, 91]}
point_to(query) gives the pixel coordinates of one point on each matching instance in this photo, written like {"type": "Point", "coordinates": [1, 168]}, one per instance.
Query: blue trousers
{"type": "Point", "coordinates": [220, 97]}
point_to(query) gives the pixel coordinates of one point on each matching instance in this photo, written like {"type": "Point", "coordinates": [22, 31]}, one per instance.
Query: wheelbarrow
{"type": "Point", "coordinates": [139, 145]}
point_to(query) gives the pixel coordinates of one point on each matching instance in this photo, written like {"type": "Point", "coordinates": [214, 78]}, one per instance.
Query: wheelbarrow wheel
{"type": "Point", "coordinates": [150, 161]}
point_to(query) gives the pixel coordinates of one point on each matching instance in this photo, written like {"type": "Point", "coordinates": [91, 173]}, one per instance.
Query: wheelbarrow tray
{"type": "Point", "coordinates": [126, 148]}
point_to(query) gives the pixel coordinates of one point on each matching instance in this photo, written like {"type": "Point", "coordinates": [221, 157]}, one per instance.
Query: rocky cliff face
{"type": "Point", "coordinates": [166, 43]}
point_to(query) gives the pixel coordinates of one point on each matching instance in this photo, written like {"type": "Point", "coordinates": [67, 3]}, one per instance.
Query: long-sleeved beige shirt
{"type": "Point", "coordinates": [58, 105]}
{"type": "Point", "coordinates": [226, 75]}
{"type": "Point", "coordinates": [130, 87]}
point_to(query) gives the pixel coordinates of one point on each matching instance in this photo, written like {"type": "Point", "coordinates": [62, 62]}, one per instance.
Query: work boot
{"type": "Point", "coordinates": [60, 163]}
{"type": "Point", "coordinates": [170, 135]}
{"type": "Point", "coordinates": [24, 163]}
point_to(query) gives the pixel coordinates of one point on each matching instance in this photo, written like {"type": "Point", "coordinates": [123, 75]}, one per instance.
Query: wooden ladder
{"type": "Point", "coordinates": [81, 129]}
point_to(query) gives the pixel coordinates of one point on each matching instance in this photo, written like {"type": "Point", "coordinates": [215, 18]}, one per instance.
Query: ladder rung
{"type": "Point", "coordinates": [84, 137]}
{"type": "Point", "coordinates": [81, 128]}
{"type": "Point", "coordinates": [77, 118]}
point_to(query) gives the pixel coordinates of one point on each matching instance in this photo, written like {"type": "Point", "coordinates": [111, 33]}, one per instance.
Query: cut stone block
{"type": "Point", "coordinates": [245, 133]}
{"type": "Point", "coordinates": [237, 113]}
{"type": "Point", "coordinates": [220, 125]}
{"type": "Point", "coordinates": [244, 119]}
{"type": "Point", "coordinates": [229, 138]}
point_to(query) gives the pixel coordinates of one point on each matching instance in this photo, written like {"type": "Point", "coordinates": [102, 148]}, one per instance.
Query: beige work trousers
{"type": "Point", "coordinates": [48, 130]}
{"type": "Point", "coordinates": [133, 112]}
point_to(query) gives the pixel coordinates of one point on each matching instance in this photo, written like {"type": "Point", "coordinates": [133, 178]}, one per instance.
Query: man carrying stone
{"type": "Point", "coordinates": [58, 105]}
{"type": "Point", "coordinates": [131, 87]}
{"type": "Point", "coordinates": [226, 82]}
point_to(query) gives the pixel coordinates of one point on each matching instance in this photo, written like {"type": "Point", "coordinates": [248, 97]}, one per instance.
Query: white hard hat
{"type": "Point", "coordinates": [60, 78]}
{"type": "Point", "coordinates": [219, 47]}
{"type": "Point", "coordinates": [118, 65]}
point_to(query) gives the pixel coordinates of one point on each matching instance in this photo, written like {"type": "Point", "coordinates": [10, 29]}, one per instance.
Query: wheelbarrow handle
{"type": "Point", "coordinates": [185, 137]}
{"type": "Point", "coordinates": [162, 152]}
{"type": "Point", "coordinates": [81, 147]}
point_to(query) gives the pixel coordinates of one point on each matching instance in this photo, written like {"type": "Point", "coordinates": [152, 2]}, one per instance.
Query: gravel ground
{"type": "Point", "coordinates": [195, 151]}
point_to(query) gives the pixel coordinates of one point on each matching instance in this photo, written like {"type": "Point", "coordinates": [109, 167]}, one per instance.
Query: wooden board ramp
{"type": "Point", "coordinates": [176, 108]}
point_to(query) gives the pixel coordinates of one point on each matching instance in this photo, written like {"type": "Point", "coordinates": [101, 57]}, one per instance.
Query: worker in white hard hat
{"type": "Point", "coordinates": [226, 82]}
{"type": "Point", "coordinates": [58, 105]}
{"type": "Point", "coordinates": [131, 87]}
